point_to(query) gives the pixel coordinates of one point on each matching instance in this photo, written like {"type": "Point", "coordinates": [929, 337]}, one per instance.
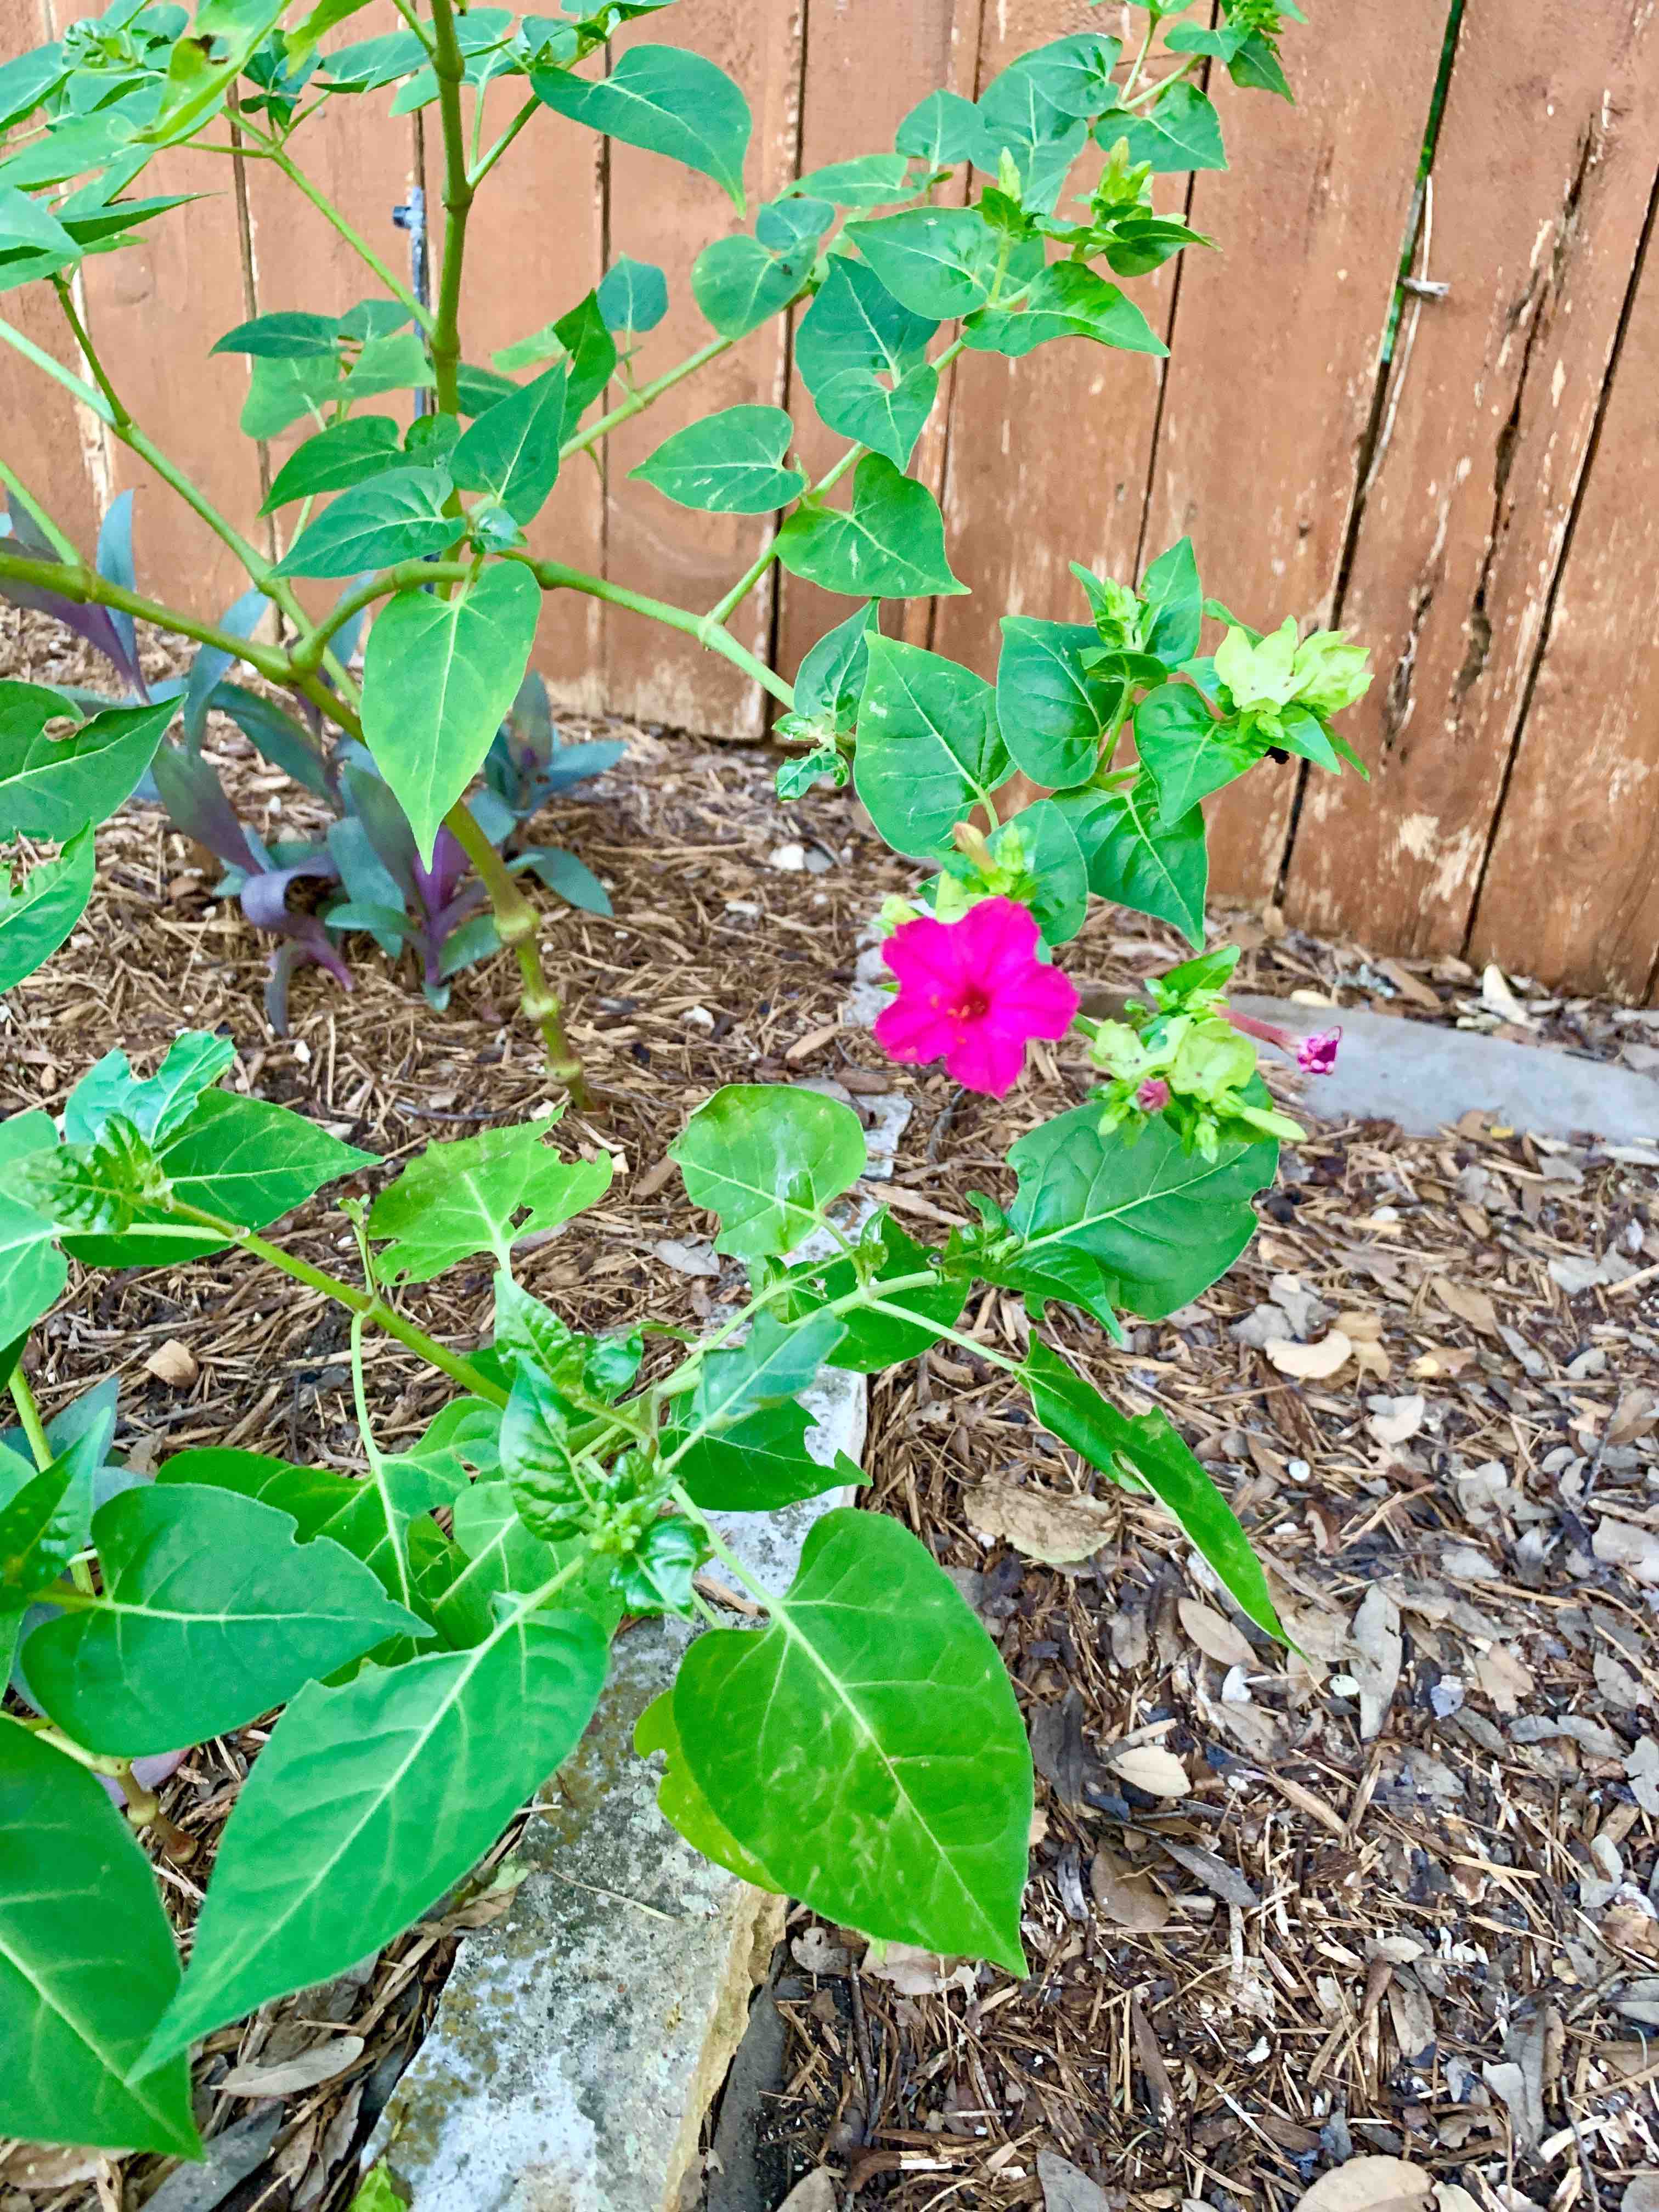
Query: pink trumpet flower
{"type": "Point", "coordinates": [973, 993]}
{"type": "Point", "coordinates": [1315, 1054]}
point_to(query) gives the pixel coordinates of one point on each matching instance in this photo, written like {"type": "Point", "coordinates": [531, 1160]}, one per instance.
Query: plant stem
{"type": "Point", "coordinates": [480, 170]}
{"type": "Point", "coordinates": [1141, 59]}
{"type": "Point", "coordinates": [88, 589]}
{"type": "Point", "coordinates": [117, 417]}
{"type": "Point", "coordinates": [308, 651]}
{"type": "Point", "coordinates": [450, 66]}
{"type": "Point", "coordinates": [66, 549]}
{"type": "Point", "coordinates": [29, 1415]}
{"type": "Point", "coordinates": [40, 1444]}
{"type": "Point", "coordinates": [354, 238]}
{"type": "Point", "coordinates": [638, 401]}
{"type": "Point", "coordinates": [554, 576]}
{"type": "Point", "coordinates": [516, 922]}
{"type": "Point", "coordinates": [76, 386]}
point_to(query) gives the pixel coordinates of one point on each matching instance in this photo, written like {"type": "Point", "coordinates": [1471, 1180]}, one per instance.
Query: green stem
{"type": "Point", "coordinates": [1174, 76]}
{"type": "Point", "coordinates": [29, 1415]}
{"type": "Point", "coordinates": [376, 1457]}
{"type": "Point", "coordinates": [96, 1762]}
{"type": "Point", "coordinates": [354, 238]}
{"type": "Point", "coordinates": [307, 652]}
{"type": "Point", "coordinates": [480, 170]}
{"type": "Point", "coordinates": [1141, 59]}
{"type": "Point", "coordinates": [516, 923]}
{"type": "Point", "coordinates": [554, 576]}
{"type": "Point", "coordinates": [61, 544]}
{"type": "Point", "coordinates": [76, 386]}
{"type": "Point", "coordinates": [450, 66]}
{"type": "Point", "coordinates": [116, 417]}
{"type": "Point", "coordinates": [638, 401]}
{"type": "Point", "coordinates": [88, 589]}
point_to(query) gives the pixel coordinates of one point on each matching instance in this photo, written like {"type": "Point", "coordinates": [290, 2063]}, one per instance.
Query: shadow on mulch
{"type": "Point", "coordinates": [1396, 1898]}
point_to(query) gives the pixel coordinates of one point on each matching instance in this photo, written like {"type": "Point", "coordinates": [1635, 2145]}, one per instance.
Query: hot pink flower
{"type": "Point", "coordinates": [1317, 1053]}
{"type": "Point", "coordinates": [971, 993]}
{"type": "Point", "coordinates": [1153, 1095]}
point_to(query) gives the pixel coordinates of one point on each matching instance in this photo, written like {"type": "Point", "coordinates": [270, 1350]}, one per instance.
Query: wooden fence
{"type": "Point", "coordinates": [1482, 508]}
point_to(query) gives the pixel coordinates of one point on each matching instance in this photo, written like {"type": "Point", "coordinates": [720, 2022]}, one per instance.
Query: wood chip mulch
{"type": "Point", "coordinates": [1401, 1902]}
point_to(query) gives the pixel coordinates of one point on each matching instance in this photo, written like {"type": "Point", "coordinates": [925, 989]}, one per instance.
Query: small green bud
{"type": "Point", "coordinates": [1330, 674]}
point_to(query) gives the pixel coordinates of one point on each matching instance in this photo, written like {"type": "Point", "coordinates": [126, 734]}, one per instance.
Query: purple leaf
{"type": "Point", "coordinates": [95, 624]}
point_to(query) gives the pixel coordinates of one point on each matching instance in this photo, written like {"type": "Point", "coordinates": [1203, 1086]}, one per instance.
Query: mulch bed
{"type": "Point", "coordinates": [1400, 1902]}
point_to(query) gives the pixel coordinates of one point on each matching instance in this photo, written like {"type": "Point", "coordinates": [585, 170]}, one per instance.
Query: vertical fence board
{"type": "Point", "coordinates": [153, 310]}
{"type": "Point", "coordinates": [1269, 388]}
{"type": "Point", "coordinates": [1571, 891]}
{"type": "Point", "coordinates": [1048, 456]}
{"type": "Point", "coordinates": [1542, 190]}
{"type": "Point", "coordinates": [852, 105]}
{"type": "Point", "coordinates": [662, 212]}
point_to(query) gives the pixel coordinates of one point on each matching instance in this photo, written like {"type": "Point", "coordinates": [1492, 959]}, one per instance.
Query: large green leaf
{"type": "Point", "coordinates": [776, 1361]}
{"type": "Point", "coordinates": [211, 1614]}
{"type": "Point", "coordinates": [831, 678]}
{"type": "Point", "coordinates": [503, 1556]}
{"type": "Point", "coordinates": [398, 515]}
{"type": "Point", "coordinates": [1163, 1224]}
{"type": "Point", "coordinates": [867, 1747]}
{"type": "Point", "coordinates": [759, 1464]}
{"type": "Point", "coordinates": [87, 1965]}
{"type": "Point", "coordinates": [739, 285]}
{"type": "Point", "coordinates": [243, 1159]}
{"type": "Point", "coordinates": [890, 546]}
{"type": "Point", "coordinates": [1041, 842]}
{"type": "Point", "coordinates": [37, 914]}
{"type": "Point", "coordinates": [1018, 118]}
{"type": "Point", "coordinates": [875, 1341]}
{"type": "Point", "coordinates": [33, 1271]}
{"type": "Point", "coordinates": [863, 356]}
{"type": "Point", "coordinates": [438, 677]}
{"type": "Point", "coordinates": [512, 450]}
{"type": "Point", "coordinates": [1180, 131]}
{"type": "Point", "coordinates": [767, 1158]}
{"type": "Point", "coordinates": [46, 1523]}
{"type": "Point", "coordinates": [929, 747]}
{"type": "Point", "coordinates": [50, 786]}
{"type": "Point", "coordinates": [1073, 75]}
{"type": "Point", "coordinates": [1143, 861]}
{"type": "Point", "coordinates": [1054, 711]}
{"type": "Point", "coordinates": [479, 1194]}
{"type": "Point", "coordinates": [1077, 1414]}
{"type": "Point", "coordinates": [727, 464]}
{"type": "Point", "coordinates": [684, 1805]}
{"type": "Point", "coordinates": [291, 334]}
{"type": "Point", "coordinates": [157, 1106]}
{"type": "Point", "coordinates": [667, 100]}
{"type": "Point", "coordinates": [1174, 600]}
{"type": "Point", "coordinates": [941, 262]}
{"type": "Point", "coordinates": [1065, 301]}
{"type": "Point", "coordinates": [371, 1799]}
{"type": "Point", "coordinates": [1189, 753]}
{"type": "Point", "coordinates": [335, 460]}
{"type": "Point", "coordinates": [867, 180]}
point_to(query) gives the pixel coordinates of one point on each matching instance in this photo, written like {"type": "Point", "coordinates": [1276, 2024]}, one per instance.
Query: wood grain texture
{"type": "Point", "coordinates": [1542, 183]}
{"type": "Point", "coordinates": [1274, 353]}
{"type": "Point", "coordinates": [55, 447]}
{"type": "Point", "coordinates": [660, 212]}
{"type": "Point", "coordinates": [1050, 455]}
{"type": "Point", "coordinates": [853, 107]}
{"type": "Point", "coordinates": [153, 310]}
{"type": "Point", "coordinates": [1573, 891]}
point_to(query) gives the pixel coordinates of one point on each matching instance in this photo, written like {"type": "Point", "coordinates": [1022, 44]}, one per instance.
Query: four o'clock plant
{"type": "Point", "coordinates": [433, 1625]}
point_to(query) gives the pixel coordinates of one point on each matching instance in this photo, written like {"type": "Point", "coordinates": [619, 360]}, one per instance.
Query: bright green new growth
{"type": "Point", "coordinates": [863, 1748]}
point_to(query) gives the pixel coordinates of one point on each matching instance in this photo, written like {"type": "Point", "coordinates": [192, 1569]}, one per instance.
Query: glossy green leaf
{"type": "Point", "coordinates": [479, 1194]}
{"type": "Point", "coordinates": [929, 747]}
{"type": "Point", "coordinates": [759, 1464]}
{"type": "Point", "coordinates": [1141, 862]}
{"type": "Point", "coordinates": [831, 678]}
{"type": "Point", "coordinates": [1256, 66]}
{"type": "Point", "coordinates": [739, 284]}
{"type": "Point", "coordinates": [33, 242]}
{"type": "Point", "coordinates": [1065, 301]}
{"type": "Point", "coordinates": [767, 1158]}
{"type": "Point", "coordinates": [667, 100]}
{"type": "Point", "coordinates": [280, 392]}
{"type": "Point", "coordinates": [940, 262]}
{"type": "Point", "coordinates": [776, 1361]}
{"type": "Point", "coordinates": [1151, 1446]}
{"type": "Point", "coordinates": [940, 130]}
{"type": "Point", "coordinates": [87, 1965]}
{"type": "Point", "coordinates": [727, 464]}
{"type": "Point", "coordinates": [290, 335]}
{"type": "Point", "coordinates": [1018, 118]}
{"type": "Point", "coordinates": [439, 677]}
{"type": "Point", "coordinates": [398, 515]}
{"type": "Point", "coordinates": [370, 1800]}
{"type": "Point", "coordinates": [211, 1614]}
{"type": "Point", "coordinates": [512, 450]}
{"type": "Point", "coordinates": [1180, 131]}
{"type": "Point", "coordinates": [37, 914]}
{"type": "Point", "coordinates": [683, 1804]}
{"type": "Point", "coordinates": [562, 872]}
{"type": "Point", "coordinates": [46, 1523]}
{"type": "Point", "coordinates": [1042, 839]}
{"type": "Point", "coordinates": [205, 60]}
{"type": "Point", "coordinates": [890, 546]}
{"type": "Point", "coordinates": [1163, 1223]}
{"type": "Point", "coordinates": [1189, 753]}
{"type": "Point", "coordinates": [1074, 73]}
{"type": "Point", "coordinates": [633, 296]}
{"type": "Point", "coordinates": [876, 1342]}
{"type": "Point", "coordinates": [33, 1271]}
{"type": "Point", "coordinates": [1053, 710]}
{"type": "Point", "coordinates": [157, 1106]}
{"type": "Point", "coordinates": [1174, 600]}
{"type": "Point", "coordinates": [863, 356]}
{"type": "Point", "coordinates": [867, 1747]}
{"type": "Point", "coordinates": [50, 787]}
{"type": "Point", "coordinates": [394, 360]}
{"type": "Point", "coordinates": [867, 180]}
